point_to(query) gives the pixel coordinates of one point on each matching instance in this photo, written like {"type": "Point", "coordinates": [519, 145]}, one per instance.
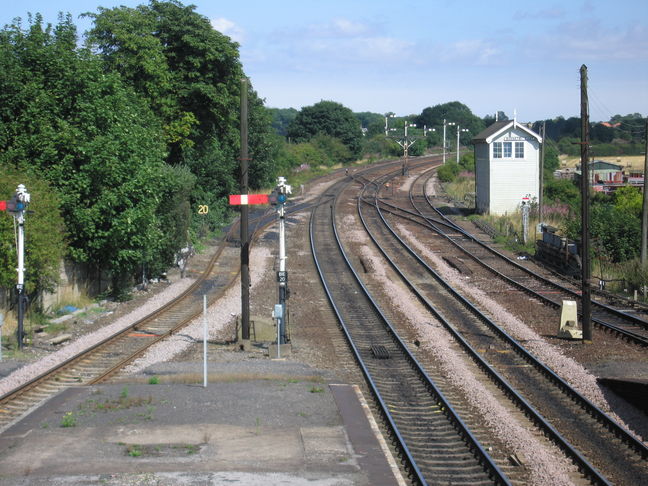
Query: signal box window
{"type": "Point", "coordinates": [519, 150]}
{"type": "Point", "coordinates": [497, 150]}
{"type": "Point", "coordinates": [508, 150]}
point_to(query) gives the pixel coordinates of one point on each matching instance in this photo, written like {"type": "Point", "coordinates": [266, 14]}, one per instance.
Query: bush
{"type": "Point", "coordinates": [448, 172]}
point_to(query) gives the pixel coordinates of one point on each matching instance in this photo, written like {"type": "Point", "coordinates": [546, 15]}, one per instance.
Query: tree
{"type": "Point", "coordinates": [170, 52]}
{"type": "Point", "coordinates": [281, 119]}
{"type": "Point", "coordinates": [45, 244]}
{"type": "Point", "coordinates": [94, 140]}
{"type": "Point", "coordinates": [328, 118]}
{"type": "Point", "coordinates": [456, 112]}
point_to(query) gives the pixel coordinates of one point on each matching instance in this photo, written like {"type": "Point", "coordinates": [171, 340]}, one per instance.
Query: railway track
{"type": "Point", "coordinates": [101, 361]}
{"type": "Point", "coordinates": [623, 324]}
{"type": "Point", "coordinates": [432, 439]}
{"type": "Point", "coordinates": [557, 409]}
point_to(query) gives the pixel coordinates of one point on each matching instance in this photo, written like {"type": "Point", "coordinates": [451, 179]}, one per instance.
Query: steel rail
{"type": "Point", "coordinates": [602, 418]}
{"type": "Point", "coordinates": [616, 312]}
{"type": "Point", "coordinates": [483, 458]}
{"type": "Point", "coordinates": [583, 464]}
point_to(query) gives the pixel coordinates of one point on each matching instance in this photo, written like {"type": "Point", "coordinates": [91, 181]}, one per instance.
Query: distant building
{"type": "Point", "coordinates": [507, 156]}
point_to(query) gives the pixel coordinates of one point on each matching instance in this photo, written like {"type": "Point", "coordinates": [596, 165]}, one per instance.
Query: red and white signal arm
{"type": "Point", "coordinates": [245, 199]}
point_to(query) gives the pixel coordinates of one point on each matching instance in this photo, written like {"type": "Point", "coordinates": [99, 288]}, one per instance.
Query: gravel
{"type": "Point", "coordinates": [570, 370]}
{"type": "Point", "coordinates": [36, 368]}
{"type": "Point", "coordinates": [549, 466]}
{"type": "Point", "coordinates": [219, 315]}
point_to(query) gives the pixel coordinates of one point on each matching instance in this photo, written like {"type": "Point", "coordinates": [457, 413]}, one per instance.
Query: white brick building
{"type": "Point", "coordinates": [507, 166]}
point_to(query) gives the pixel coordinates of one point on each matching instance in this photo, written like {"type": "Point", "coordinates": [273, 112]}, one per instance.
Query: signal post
{"type": "Point", "coordinates": [17, 205]}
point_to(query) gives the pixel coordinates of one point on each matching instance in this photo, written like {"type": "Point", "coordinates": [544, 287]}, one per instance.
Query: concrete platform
{"type": "Point", "coordinates": [287, 431]}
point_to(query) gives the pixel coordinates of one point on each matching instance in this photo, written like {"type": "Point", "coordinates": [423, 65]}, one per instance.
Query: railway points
{"type": "Point", "coordinates": [320, 359]}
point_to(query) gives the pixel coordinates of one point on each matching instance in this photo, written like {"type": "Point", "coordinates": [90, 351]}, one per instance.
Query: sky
{"type": "Point", "coordinates": [402, 56]}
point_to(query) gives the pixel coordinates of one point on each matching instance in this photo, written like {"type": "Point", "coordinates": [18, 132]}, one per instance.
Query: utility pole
{"type": "Point", "coordinates": [459, 130]}
{"type": "Point", "coordinates": [644, 217]}
{"type": "Point", "coordinates": [406, 142]}
{"type": "Point", "coordinates": [245, 243]}
{"type": "Point", "coordinates": [542, 157]}
{"type": "Point", "coordinates": [586, 294]}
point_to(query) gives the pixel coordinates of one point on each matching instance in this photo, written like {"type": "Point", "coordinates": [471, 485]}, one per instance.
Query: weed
{"type": "Point", "coordinates": [191, 449]}
{"type": "Point", "coordinates": [134, 450]}
{"type": "Point", "coordinates": [68, 420]}
{"type": "Point", "coordinates": [154, 380]}
{"type": "Point", "coordinates": [44, 425]}
{"type": "Point", "coordinates": [316, 389]}
{"type": "Point", "coordinates": [124, 393]}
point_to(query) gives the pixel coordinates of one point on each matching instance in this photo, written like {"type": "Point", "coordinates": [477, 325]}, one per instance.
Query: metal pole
{"type": "Point", "coordinates": [21, 280]}
{"type": "Point", "coordinates": [444, 139]}
{"type": "Point", "coordinates": [585, 186]}
{"type": "Point", "coordinates": [205, 340]}
{"type": "Point", "coordinates": [1, 323]}
{"type": "Point", "coordinates": [245, 243]}
{"type": "Point", "coordinates": [644, 218]}
{"type": "Point", "coordinates": [458, 144]}
{"type": "Point", "coordinates": [282, 268]}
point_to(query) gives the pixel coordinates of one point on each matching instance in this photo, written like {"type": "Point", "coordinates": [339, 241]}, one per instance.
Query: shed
{"type": "Point", "coordinates": [507, 158]}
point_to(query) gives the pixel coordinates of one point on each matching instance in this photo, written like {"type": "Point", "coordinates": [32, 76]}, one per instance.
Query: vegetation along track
{"type": "Point", "coordinates": [545, 398]}
{"type": "Point", "coordinates": [99, 362]}
{"type": "Point", "coordinates": [634, 328]}
{"type": "Point", "coordinates": [434, 443]}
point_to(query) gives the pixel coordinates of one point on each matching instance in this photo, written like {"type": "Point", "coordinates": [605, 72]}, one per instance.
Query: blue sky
{"type": "Point", "coordinates": [402, 56]}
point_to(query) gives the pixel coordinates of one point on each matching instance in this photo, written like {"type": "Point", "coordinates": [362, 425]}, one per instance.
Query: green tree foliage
{"type": "Point", "coordinates": [561, 191]}
{"type": "Point", "coordinates": [449, 171]}
{"type": "Point", "coordinates": [328, 118]}
{"type": "Point", "coordinates": [196, 81]}
{"type": "Point", "coordinates": [615, 232]}
{"type": "Point", "coordinates": [467, 162]}
{"type": "Point", "coordinates": [281, 119]}
{"type": "Point", "coordinates": [44, 238]}
{"type": "Point", "coordinates": [454, 111]}
{"type": "Point", "coordinates": [93, 138]}
{"type": "Point", "coordinates": [629, 199]}
{"type": "Point", "coordinates": [622, 135]}
{"type": "Point", "coordinates": [373, 123]}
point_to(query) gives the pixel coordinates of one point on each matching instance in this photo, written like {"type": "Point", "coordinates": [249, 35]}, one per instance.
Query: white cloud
{"type": "Point", "coordinates": [229, 28]}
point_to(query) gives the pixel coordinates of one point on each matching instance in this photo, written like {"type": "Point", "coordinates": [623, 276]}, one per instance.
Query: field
{"type": "Point", "coordinates": [635, 162]}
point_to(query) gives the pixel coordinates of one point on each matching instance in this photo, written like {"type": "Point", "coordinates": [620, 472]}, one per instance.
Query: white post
{"type": "Point", "coordinates": [444, 139]}
{"type": "Point", "coordinates": [458, 143]}
{"type": "Point", "coordinates": [205, 340]}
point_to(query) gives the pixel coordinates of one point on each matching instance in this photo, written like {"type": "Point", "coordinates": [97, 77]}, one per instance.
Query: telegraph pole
{"type": "Point", "coordinates": [586, 294]}
{"type": "Point", "coordinates": [644, 217]}
{"type": "Point", "coordinates": [245, 243]}
{"type": "Point", "coordinates": [542, 157]}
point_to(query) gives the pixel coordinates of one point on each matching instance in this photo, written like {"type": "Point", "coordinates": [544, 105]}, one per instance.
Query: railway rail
{"type": "Point", "coordinates": [102, 360]}
{"type": "Point", "coordinates": [546, 393]}
{"type": "Point", "coordinates": [626, 325]}
{"type": "Point", "coordinates": [433, 441]}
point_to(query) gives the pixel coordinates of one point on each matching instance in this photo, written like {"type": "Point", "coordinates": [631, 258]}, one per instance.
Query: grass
{"type": "Point", "coordinates": [154, 380]}
{"type": "Point", "coordinates": [68, 420]}
{"type": "Point", "coordinates": [316, 389]}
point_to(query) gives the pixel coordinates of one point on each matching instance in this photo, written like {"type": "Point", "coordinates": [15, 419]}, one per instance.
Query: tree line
{"type": "Point", "coordinates": [120, 138]}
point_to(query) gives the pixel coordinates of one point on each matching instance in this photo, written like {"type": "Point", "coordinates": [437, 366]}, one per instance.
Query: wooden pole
{"type": "Point", "coordinates": [644, 218]}
{"type": "Point", "coordinates": [245, 243]}
{"type": "Point", "coordinates": [542, 157]}
{"type": "Point", "coordinates": [586, 295]}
